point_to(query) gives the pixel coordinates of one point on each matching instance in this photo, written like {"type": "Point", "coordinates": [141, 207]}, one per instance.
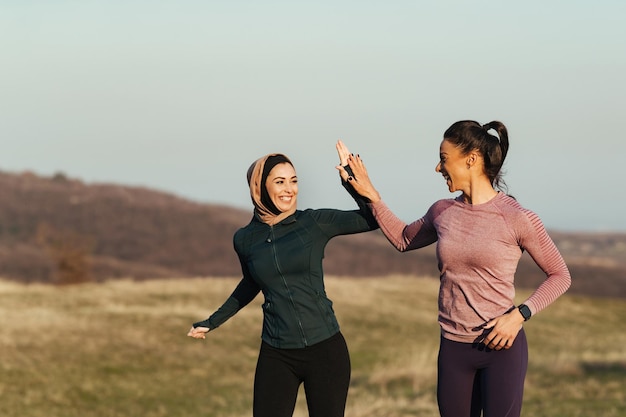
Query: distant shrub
{"type": "Point", "coordinates": [70, 252]}
{"type": "Point", "coordinates": [60, 177]}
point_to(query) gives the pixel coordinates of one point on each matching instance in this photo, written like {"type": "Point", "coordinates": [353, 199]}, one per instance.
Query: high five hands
{"type": "Point", "coordinates": [359, 179]}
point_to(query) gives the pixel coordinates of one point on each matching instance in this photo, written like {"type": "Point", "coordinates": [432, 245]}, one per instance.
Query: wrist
{"type": "Point", "coordinates": [373, 196]}
{"type": "Point", "coordinates": [524, 311]}
{"type": "Point", "coordinates": [376, 198]}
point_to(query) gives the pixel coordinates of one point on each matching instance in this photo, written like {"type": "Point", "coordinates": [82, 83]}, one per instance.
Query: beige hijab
{"type": "Point", "coordinates": [255, 180]}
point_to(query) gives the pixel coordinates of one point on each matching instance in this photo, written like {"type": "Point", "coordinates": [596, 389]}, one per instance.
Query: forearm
{"type": "Point", "coordinates": [547, 256]}
{"type": "Point", "coordinates": [552, 288]}
{"type": "Point", "coordinates": [392, 227]}
{"type": "Point", "coordinates": [245, 292]}
{"type": "Point", "coordinates": [362, 202]}
{"type": "Point", "coordinates": [402, 236]}
{"type": "Point", "coordinates": [221, 315]}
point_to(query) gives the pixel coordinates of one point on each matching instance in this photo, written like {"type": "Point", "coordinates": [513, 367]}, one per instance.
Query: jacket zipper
{"type": "Point", "coordinates": [282, 277]}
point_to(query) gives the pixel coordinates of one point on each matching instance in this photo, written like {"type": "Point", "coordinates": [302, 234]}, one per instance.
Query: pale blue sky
{"type": "Point", "coordinates": [183, 95]}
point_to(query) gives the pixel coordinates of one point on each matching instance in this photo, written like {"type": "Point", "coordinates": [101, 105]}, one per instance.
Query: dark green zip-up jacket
{"type": "Point", "coordinates": [284, 261]}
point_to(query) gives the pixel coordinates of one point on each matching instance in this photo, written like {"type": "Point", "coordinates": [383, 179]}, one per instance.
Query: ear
{"type": "Point", "coordinates": [471, 159]}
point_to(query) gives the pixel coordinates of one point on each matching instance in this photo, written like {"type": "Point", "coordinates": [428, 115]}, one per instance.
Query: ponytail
{"type": "Point", "coordinates": [497, 154]}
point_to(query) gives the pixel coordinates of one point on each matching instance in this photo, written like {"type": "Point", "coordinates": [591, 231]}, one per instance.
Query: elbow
{"type": "Point", "coordinates": [565, 280]}
{"type": "Point", "coordinates": [401, 247]}
{"type": "Point", "coordinates": [568, 281]}
{"type": "Point", "coordinates": [567, 277]}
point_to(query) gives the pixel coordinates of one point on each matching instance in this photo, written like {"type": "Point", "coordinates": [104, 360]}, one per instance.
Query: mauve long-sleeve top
{"type": "Point", "coordinates": [478, 250]}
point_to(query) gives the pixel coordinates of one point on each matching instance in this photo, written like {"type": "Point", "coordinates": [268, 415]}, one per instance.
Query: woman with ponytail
{"type": "Point", "coordinates": [480, 237]}
{"type": "Point", "coordinates": [281, 252]}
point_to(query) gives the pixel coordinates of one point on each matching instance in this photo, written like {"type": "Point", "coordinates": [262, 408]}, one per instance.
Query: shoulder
{"type": "Point", "coordinates": [245, 231]}
{"type": "Point", "coordinates": [443, 203]}
{"type": "Point", "coordinates": [510, 205]}
{"type": "Point", "coordinates": [519, 217]}
{"type": "Point", "coordinates": [240, 233]}
{"type": "Point", "coordinates": [440, 206]}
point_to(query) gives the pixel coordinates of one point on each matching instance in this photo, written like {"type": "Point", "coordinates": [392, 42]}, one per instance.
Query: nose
{"type": "Point", "coordinates": [438, 167]}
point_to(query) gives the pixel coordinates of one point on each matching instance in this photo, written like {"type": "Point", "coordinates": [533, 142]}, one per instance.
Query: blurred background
{"type": "Point", "coordinates": [183, 96]}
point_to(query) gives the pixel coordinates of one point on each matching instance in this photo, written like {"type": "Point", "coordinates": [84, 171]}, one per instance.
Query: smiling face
{"type": "Point", "coordinates": [454, 167]}
{"type": "Point", "coordinates": [282, 186]}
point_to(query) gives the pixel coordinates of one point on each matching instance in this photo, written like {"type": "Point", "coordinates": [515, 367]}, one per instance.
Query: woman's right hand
{"type": "Point", "coordinates": [198, 332]}
{"type": "Point", "coordinates": [343, 152]}
{"type": "Point", "coordinates": [360, 181]}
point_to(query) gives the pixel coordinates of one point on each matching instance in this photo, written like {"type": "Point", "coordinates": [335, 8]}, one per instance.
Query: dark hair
{"type": "Point", "coordinates": [469, 135]}
{"type": "Point", "coordinates": [270, 163]}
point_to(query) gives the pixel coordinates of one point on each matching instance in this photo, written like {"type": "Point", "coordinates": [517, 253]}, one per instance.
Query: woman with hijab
{"type": "Point", "coordinates": [281, 252]}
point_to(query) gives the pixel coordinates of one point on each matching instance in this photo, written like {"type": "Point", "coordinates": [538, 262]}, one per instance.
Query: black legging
{"type": "Point", "coordinates": [474, 379]}
{"type": "Point", "coordinates": [324, 368]}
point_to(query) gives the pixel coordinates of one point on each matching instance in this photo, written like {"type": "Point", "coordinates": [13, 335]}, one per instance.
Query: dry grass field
{"type": "Point", "coordinates": [119, 349]}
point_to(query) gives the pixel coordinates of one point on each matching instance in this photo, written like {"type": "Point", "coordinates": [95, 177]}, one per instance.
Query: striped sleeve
{"type": "Point", "coordinates": [404, 237]}
{"type": "Point", "coordinates": [536, 241]}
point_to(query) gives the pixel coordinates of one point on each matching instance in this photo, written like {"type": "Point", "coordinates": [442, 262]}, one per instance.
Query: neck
{"type": "Point", "coordinates": [479, 193]}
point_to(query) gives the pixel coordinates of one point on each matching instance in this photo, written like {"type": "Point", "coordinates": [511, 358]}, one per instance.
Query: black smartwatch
{"type": "Point", "coordinates": [525, 311]}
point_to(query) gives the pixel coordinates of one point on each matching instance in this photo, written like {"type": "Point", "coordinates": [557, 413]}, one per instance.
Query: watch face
{"type": "Point", "coordinates": [525, 311]}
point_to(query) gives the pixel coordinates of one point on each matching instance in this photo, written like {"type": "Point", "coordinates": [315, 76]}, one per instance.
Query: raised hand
{"type": "Point", "coordinates": [344, 170]}
{"type": "Point", "coordinates": [359, 179]}
{"type": "Point", "coordinates": [343, 152]}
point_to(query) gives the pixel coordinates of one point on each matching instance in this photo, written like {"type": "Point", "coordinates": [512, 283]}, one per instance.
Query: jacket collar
{"type": "Point", "coordinates": [292, 218]}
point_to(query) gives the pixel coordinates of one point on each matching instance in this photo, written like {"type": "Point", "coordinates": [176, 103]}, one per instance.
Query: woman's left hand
{"type": "Point", "coordinates": [198, 332]}
{"type": "Point", "coordinates": [504, 330]}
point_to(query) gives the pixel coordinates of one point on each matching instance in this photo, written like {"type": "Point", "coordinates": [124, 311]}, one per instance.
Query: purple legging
{"type": "Point", "coordinates": [473, 379]}
{"type": "Point", "coordinates": [324, 368]}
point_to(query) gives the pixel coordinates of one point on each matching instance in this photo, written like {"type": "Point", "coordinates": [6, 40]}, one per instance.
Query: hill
{"type": "Point", "coordinates": [58, 229]}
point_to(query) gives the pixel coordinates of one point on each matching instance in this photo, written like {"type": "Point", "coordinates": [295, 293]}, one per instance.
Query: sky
{"type": "Point", "coordinates": [182, 96]}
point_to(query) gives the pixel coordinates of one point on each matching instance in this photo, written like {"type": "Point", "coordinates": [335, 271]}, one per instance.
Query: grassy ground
{"type": "Point", "coordinates": [119, 349]}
